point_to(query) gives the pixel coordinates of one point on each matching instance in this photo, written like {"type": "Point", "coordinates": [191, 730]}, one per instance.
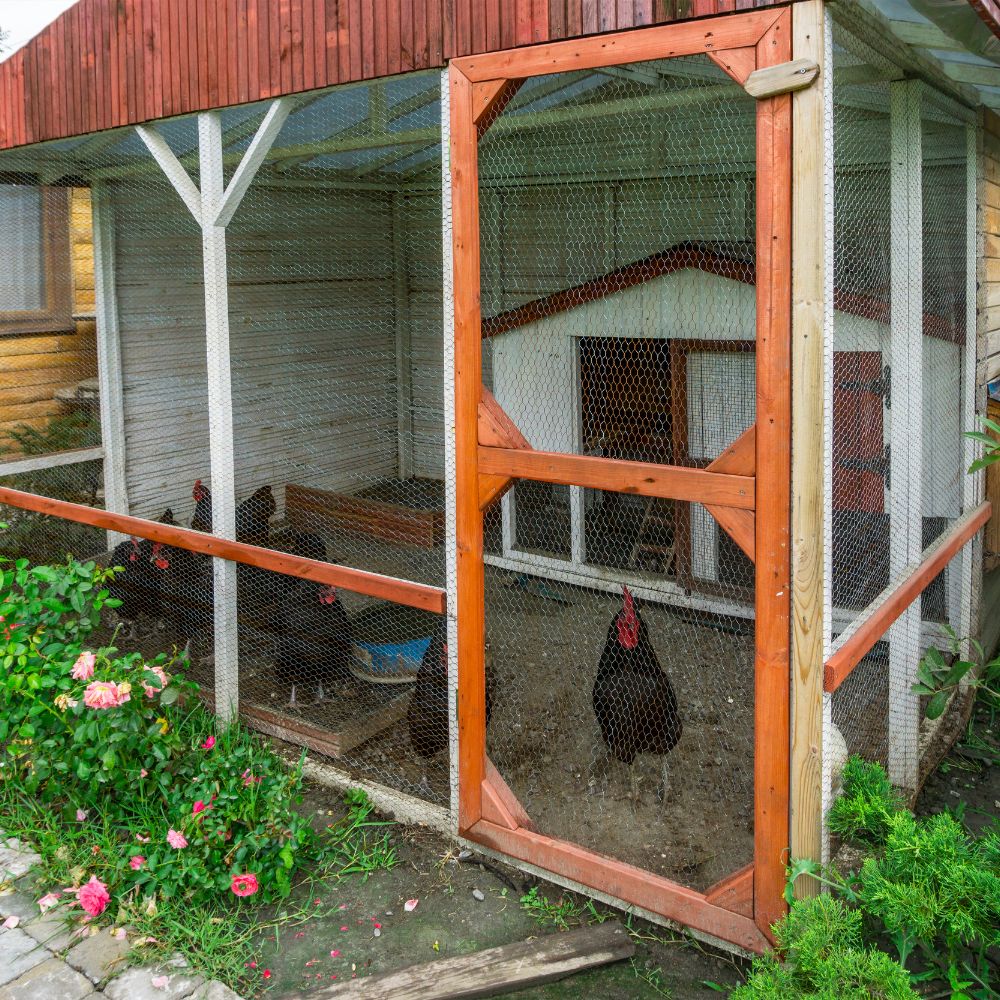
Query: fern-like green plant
{"type": "Point", "coordinates": [865, 809]}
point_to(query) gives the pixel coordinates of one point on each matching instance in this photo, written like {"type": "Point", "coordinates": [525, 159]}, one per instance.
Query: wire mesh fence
{"type": "Point", "coordinates": [617, 241]}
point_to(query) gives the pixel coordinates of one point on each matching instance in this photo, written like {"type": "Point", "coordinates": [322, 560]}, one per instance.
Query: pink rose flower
{"type": "Point", "coordinates": [250, 779]}
{"type": "Point", "coordinates": [105, 694]}
{"type": "Point", "coordinates": [137, 862]}
{"type": "Point", "coordinates": [161, 676]}
{"type": "Point", "coordinates": [209, 743]}
{"type": "Point", "coordinates": [199, 807]}
{"type": "Point", "coordinates": [47, 901]}
{"type": "Point", "coordinates": [176, 840]}
{"type": "Point", "coordinates": [81, 815]}
{"type": "Point", "coordinates": [143, 773]}
{"type": "Point", "coordinates": [244, 885]}
{"type": "Point", "coordinates": [83, 669]}
{"type": "Point", "coordinates": [94, 897]}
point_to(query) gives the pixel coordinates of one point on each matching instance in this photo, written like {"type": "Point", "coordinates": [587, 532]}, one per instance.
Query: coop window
{"type": "Point", "coordinates": [35, 294]}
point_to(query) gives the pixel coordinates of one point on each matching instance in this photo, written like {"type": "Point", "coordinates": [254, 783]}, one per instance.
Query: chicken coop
{"type": "Point", "coordinates": [551, 416]}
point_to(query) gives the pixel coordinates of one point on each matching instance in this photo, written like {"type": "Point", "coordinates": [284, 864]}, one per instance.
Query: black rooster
{"type": "Point", "coordinates": [201, 520]}
{"type": "Point", "coordinates": [316, 640]}
{"type": "Point", "coordinates": [634, 701]}
{"type": "Point", "coordinates": [253, 515]}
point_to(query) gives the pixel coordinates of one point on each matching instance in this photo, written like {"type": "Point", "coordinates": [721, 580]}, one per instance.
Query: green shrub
{"type": "Point", "coordinates": [121, 745]}
{"type": "Point", "coordinates": [824, 959]}
{"type": "Point", "coordinates": [867, 804]}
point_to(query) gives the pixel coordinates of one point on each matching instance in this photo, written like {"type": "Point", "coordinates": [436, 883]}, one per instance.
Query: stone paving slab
{"type": "Point", "coordinates": [52, 980]}
{"type": "Point", "coordinates": [18, 954]}
{"type": "Point", "coordinates": [16, 860]}
{"type": "Point", "coordinates": [215, 991]}
{"type": "Point", "coordinates": [51, 929]}
{"type": "Point", "coordinates": [137, 984]}
{"type": "Point", "coordinates": [98, 957]}
{"type": "Point", "coordinates": [16, 903]}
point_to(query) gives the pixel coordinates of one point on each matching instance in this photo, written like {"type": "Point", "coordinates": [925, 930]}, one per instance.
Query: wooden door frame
{"type": "Point", "coordinates": [741, 908]}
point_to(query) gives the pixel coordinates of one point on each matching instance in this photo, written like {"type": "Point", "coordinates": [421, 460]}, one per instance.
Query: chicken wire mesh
{"type": "Point", "coordinates": [896, 481]}
{"type": "Point", "coordinates": [617, 242]}
{"type": "Point", "coordinates": [332, 283]}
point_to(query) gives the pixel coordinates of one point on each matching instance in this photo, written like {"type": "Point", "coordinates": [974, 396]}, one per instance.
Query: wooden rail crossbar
{"type": "Point", "coordinates": [675, 482]}
{"type": "Point", "coordinates": [35, 463]}
{"type": "Point", "coordinates": [858, 640]}
{"type": "Point", "coordinates": [414, 595]}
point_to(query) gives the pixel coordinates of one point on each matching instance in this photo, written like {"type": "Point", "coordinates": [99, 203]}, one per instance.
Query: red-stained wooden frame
{"type": "Point", "coordinates": [896, 599]}
{"type": "Point", "coordinates": [742, 907]}
{"type": "Point", "coordinates": [414, 595]}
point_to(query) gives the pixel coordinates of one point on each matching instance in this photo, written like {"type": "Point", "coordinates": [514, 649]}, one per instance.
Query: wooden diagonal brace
{"type": "Point", "coordinates": [489, 98]}
{"type": "Point", "coordinates": [738, 63]}
{"type": "Point", "coordinates": [496, 430]}
{"type": "Point", "coordinates": [739, 459]}
{"type": "Point", "coordinates": [500, 804]}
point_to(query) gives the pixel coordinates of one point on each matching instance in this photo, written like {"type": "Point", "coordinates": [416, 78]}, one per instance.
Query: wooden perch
{"type": "Point", "coordinates": [781, 79]}
{"type": "Point", "coordinates": [489, 973]}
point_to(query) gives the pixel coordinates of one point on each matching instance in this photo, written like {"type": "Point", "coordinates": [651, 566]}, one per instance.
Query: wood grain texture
{"type": "Point", "coordinates": [739, 459]}
{"type": "Point", "coordinates": [773, 569]}
{"type": "Point", "coordinates": [415, 595]}
{"type": "Point", "coordinates": [808, 469]}
{"type": "Point", "coordinates": [651, 892]}
{"type": "Point", "coordinates": [734, 892]}
{"type": "Point", "coordinates": [108, 63]}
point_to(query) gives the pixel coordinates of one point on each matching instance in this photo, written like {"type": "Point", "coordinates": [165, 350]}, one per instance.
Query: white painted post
{"type": "Point", "coordinates": [450, 479]}
{"type": "Point", "coordinates": [213, 207]}
{"type": "Point", "coordinates": [404, 355]}
{"type": "Point", "coordinates": [109, 358]}
{"type": "Point", "coordinates": [905, 420]}
{"type": "Point", "coordinates": [972, 485]}
{"type": "Point", "coordinates": [220, 411]}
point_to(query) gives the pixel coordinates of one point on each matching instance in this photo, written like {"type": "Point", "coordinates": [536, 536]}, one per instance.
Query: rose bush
{"type": "Point", "coordinates": [121, 742]}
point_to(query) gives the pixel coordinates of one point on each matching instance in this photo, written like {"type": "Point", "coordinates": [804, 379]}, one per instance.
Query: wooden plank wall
{"type": "Point", "coordinates": [34, 368]}
{"type": "Point", "coordinates": [312, 342]}
{"type": "Point", "coordinates": [106, 63]}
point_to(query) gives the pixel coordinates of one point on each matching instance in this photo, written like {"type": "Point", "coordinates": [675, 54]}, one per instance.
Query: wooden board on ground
{"type": "Point", "coordinates": [312, 509]}
{"type": "Point", "coordinates": [497, 970]}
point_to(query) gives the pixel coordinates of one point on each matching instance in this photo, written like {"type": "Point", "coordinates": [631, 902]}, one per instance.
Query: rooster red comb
{"type": "Point", "coordinates": [628, 621]}
{"type": "Point", "coordinates": [199, 491]}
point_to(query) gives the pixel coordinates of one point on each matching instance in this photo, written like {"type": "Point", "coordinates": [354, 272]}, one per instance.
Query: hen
{"type": "Point", "coordinates": [137, 586]}
{"type": "Point", "coordinates": [633, 698]}
{"type": "Point", "coordinates": [316, 641]}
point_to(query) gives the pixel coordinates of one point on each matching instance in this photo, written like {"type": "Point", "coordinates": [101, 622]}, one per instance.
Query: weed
{"type": "Point", "coordinates": [652, 978]}
{"type": "Point", "coordinates": [563, 914]}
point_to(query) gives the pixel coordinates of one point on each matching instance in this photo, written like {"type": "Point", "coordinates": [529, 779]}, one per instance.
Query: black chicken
{"type": "Point", "coordinates": [186, 588]}
{"type": "Point", "coordinates": [634, 701]}
{"type": "Point", "coordinates": [253, 515]}
{"type": "Point", "coordinates": [316, 641]}
{"type": "Point", "coordinates": [427, 716]}
{"type": "Point", "coordinates": [137, 586]}
{"type": "Point", "coordinates": [201, 520]}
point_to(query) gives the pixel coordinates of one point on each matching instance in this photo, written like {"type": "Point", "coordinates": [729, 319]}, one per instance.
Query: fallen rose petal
{"type": "Point", "coordinates": [47, 901]}
{"type": "Point", "coordinates": [120, 934]}
{"type": "Point", "coordinates": [410, 905]}
{"type": "Point", "coordinates": [267, 973]}
{"type": "Point", "coordinates": [335, 953]}
{"type": "Point", "coordinates": [160, 982]}
{"type": "Point", "coordinates": [81, 815]}
{"type": "Point", "coordinates": [344, 928]}
{"type": "Point", "coordinates": [11, 922]}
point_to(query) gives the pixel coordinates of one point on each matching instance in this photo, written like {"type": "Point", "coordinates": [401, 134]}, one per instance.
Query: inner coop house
{"type": "Point", "coordinates": [491, 429]}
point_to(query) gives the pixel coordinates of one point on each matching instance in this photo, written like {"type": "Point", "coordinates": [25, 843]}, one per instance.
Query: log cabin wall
{"type": "Point", "coordinates": [35, 368]}
{"type": "Point", "coordinates": [989, 304]}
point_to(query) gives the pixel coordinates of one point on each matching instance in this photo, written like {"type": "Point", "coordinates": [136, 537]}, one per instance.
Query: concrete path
{"type": "Point", "coordinates": [42, 956]}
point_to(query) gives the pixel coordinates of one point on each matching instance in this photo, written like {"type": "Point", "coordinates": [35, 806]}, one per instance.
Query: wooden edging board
{"type": "Point", "coordinates": [494, 971]}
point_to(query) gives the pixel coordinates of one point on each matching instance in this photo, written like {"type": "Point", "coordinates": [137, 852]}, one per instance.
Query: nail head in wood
{"type": "Point", "coordinates": [781, 79]}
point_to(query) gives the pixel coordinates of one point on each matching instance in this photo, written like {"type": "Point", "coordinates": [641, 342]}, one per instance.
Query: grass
{"type": "Point", "coordinates": [220, 942]}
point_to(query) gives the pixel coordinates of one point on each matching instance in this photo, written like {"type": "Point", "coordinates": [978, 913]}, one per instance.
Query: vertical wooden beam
{"type": "Point", "coordinates": [809, 196]}
{"type": "Point", "coordinates": [404, 354]}
{"type": "Point", "coordinates": [773, 569]}
{"type": "Point", "coordinates": [468, 381]}
{"type": "Point", "coordinates": [450, 475]}
{"type": "Point", "coordinates": [905, 419]}
{"type": "Point", "coordinates": [220, 410]}
{"type": "Point", "coordinates": [109, 358]}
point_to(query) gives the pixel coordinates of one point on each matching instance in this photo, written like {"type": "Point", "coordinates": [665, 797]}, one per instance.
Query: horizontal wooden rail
{"type": "Point", "coordinates": [674, 482]}
{"type": "Point", "coordinates": [35, 463]}
{"type": "Point", "coordinates": [858, 639]}
{"type": "Point", "coordinates": [415, 595]}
